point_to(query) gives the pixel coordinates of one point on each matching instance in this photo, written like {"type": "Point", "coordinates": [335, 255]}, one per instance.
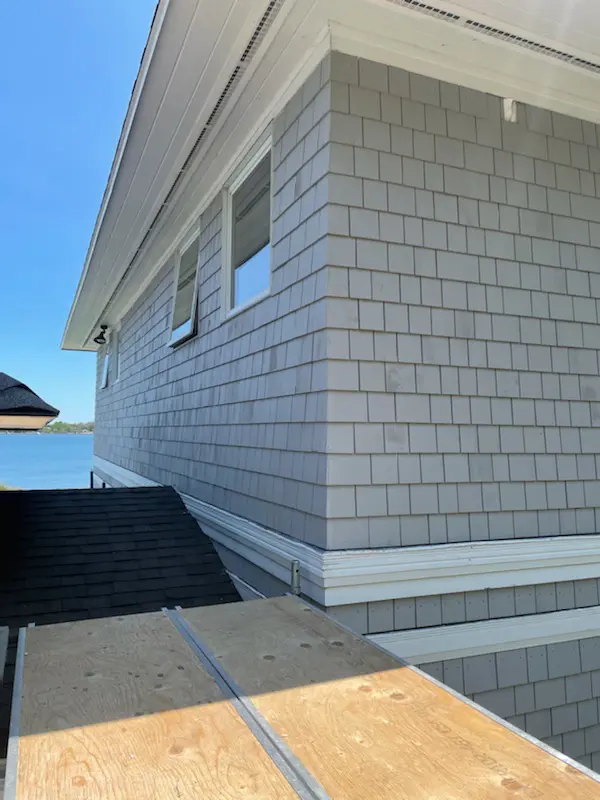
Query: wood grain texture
{"type": "Point", "coordinates": [365, 726]}
{"type": "Point", "coordinates": [120, 709]}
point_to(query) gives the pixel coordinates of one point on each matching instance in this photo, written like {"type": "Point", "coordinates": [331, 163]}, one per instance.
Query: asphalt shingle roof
{"type": "Point", "coordinates": [17, 398]}
{"type": "Point", "coordinates": [81, 553]}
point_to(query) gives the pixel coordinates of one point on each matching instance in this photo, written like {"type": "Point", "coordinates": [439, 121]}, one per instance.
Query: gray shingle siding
{"type": "Point", "coordinates": [429, 611]}
{"type": "Point", "coordinates": [465, 299]}
{"type": "Point", "coordinates": [425, 369]}
{"type": "Point", "coordinates": [551, 691]}
{"type": "Point", "coordinates": [236, 416]}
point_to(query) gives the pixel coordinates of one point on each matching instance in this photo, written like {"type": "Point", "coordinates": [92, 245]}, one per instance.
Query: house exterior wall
{"type": "Point", "coordinates": [429, 611]}
{"type": "Point", "coordinates": [467, 263]}
{"type": "Point", "coordinates": [425, 370]}
{"type": "Point", "coordinates": [236, 416]}
{"type": "Point", "coordinates": [468, 272]}
{"type": "Point", "coordinates": [426, 367]}
{"type": "Point", "coordinates": [550, 691]}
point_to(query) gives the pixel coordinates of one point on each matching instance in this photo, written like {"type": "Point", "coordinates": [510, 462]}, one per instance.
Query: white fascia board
{"type": "Point", "coordinates": [157, 23]}
{"type": "Point", "coordinates": [491, 636]}
{"type": "Point", "coordinates": [460, 567]}
{"type": "Point", "coordinates": [343, 577]}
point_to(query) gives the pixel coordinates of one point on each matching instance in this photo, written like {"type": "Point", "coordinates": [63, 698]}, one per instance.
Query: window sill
{"type": "Point", "coordinates": [245, 306]}
{"type": "Point", "coordinates": [181, 340]}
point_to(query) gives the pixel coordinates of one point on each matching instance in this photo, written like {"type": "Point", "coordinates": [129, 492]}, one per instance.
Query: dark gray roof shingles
{"type": "Point", "coordinates": [81, 553]}
{"type": "Point", "coordinates": [17, 398]}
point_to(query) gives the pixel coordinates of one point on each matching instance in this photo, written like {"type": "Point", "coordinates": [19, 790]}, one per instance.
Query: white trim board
{"type": "Point", "coordinates": [154, 33]}
{"type": "Point", "coordinates": [117, 476]}
{"type": "Point", "coordinates": [492, 636]}
{"type": "Point", "coordinates": [343, 577]}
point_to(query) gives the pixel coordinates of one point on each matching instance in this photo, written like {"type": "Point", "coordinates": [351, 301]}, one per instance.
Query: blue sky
{"type": "Point", "coordinates": [67, 68]}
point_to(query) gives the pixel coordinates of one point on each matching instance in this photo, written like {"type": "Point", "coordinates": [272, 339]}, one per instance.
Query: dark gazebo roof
{"type": "Point", "coordinates": [18, 402]}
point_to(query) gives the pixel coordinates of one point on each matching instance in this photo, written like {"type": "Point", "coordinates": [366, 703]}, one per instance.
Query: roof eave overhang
{"type": "Point", "coordinates": [70, 340]}
{"type": "Point", "coordinates": [366, 28]}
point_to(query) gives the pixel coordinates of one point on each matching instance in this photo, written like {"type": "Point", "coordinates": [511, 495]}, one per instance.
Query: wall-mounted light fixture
{"type": "Point", "coordinates": [101, 338]}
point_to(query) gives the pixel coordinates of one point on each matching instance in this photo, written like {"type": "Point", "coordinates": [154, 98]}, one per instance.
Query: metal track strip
{"type": "Point", "coordinates": [12, 755]}
{"type": "Point", "coordinates": [294, 771]}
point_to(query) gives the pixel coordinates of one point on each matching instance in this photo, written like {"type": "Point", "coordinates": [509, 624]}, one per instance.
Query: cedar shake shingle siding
{"type": "Point", "coordinates": [236, 415]}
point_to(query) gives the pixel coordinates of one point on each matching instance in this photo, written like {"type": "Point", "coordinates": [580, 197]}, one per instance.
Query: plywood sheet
{"type": "Point", "coordinates": [120, 709]}
{"type": "Point", "coordinates": [365, 726]}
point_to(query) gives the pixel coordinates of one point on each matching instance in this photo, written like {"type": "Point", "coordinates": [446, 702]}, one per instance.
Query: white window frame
{"type": "Point", "coordinates": [115, 354]}
{"type": "Point", "coordinates": [177, 339]}
{"type": "Point", "coordinates": [106, 365]}
{"type": "Point", "coordinates": [241, 173]}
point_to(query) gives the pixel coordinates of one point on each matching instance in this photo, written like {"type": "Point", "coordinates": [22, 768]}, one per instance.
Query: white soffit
{"type": "Point", "coordinates": [506, 48]}
{"type": "Point", "coordinates": [155, 29]}
{"type": "Point", "coordinates": [194, 56]}
{"type": "Point", "coordinates": [571, 24]}
{"type": "Point", "coordinates": [443, 40]}
{"type": "Point", "coordinates": [292, 49]}
{"type": "Point", "coordinates": [344, 577]}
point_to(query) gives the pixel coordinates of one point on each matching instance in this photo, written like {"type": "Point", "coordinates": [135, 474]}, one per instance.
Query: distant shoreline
{"type": "Point", "coordinates": [43, 431]}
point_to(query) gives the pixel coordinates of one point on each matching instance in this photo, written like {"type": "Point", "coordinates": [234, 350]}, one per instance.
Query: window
{"type": "Point", "coordinates": [105, 367]}
{"type": "Point", "coordinates": [184, 308]}
{"type": "Point", "coordinates": [115, 356]}
{"type": "Point", "coordinates": [249, 203]}
{"type": "Point", "coordinates": [111, 360]}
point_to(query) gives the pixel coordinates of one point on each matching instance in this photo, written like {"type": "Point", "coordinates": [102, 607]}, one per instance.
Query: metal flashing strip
{"type": "Point", "coordinates": [293, 770]}
{"type": "Point", "coordinates": [12, 755]}
{"type": "Point", "coordinates": [571, 762]}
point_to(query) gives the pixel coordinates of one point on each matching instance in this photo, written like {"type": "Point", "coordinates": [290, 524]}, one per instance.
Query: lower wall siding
{"type": "Point", "coordinates": [450, 609]}
{"type": "Point", "coordinates": [550, 691]}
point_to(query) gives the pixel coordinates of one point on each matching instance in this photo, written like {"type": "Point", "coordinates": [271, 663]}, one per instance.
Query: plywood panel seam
{"type": "Point", "coordinates": [291, 767]}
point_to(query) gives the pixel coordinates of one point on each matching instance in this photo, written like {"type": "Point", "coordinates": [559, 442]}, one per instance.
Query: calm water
{"type": "Point", "coordinates": [46, 461]}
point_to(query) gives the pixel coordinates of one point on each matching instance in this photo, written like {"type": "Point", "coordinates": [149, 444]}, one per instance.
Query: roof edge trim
{"type": "Point", "coordinates": [155, 28]}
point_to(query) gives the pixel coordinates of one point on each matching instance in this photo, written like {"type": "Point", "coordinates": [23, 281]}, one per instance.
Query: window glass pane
{"type": "Point", "coordinates": [252, 278]}
{"type": "Point", "coordinates": [251, 252]}
{"type": "Point", "coordinates": [186, 283]}
{"type": "Point", "coordinates": [115, 355]}
{"type": "Point", "coordinates": [105, 364]}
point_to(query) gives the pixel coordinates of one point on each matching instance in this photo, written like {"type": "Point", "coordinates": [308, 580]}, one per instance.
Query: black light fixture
{"type": "Point", "coordinates": [101, 338]}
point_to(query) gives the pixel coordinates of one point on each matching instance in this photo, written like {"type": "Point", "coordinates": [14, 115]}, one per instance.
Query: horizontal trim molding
{"type": "Point", "coordinates": [343, 577]}
{"type": "Point", "coordinates": [117, 476]}
{"type": "Point", "coordinates": [478, 638]}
